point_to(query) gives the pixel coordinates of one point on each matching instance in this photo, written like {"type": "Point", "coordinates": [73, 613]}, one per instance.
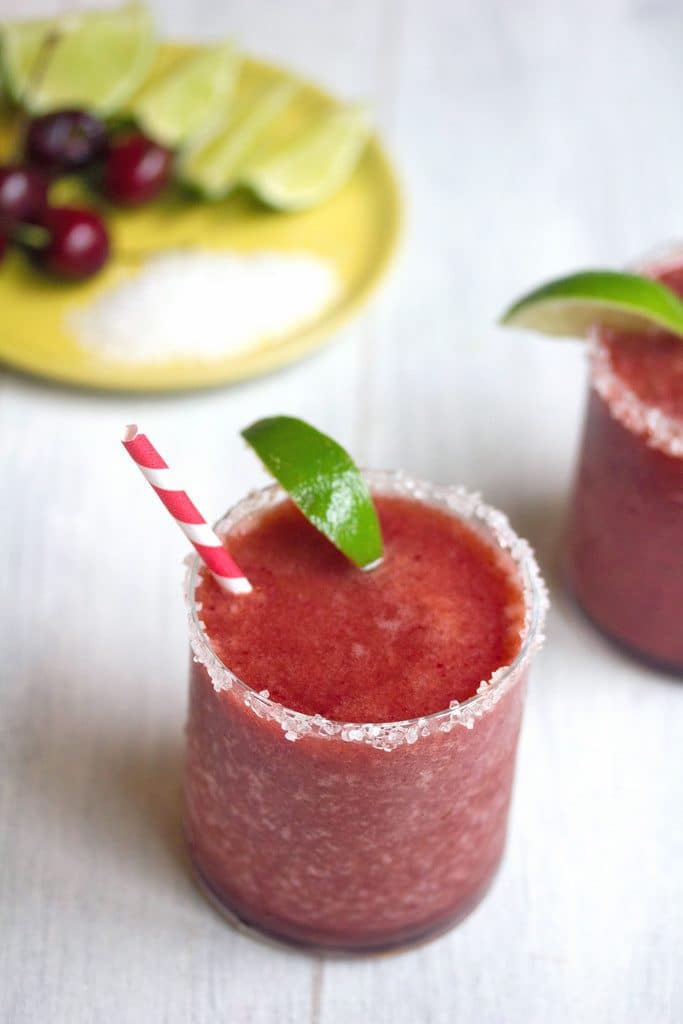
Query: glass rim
{"type": "Point", "coordinates": [661, 431]}
{"type": "Point", "coordinates": [464, 504]}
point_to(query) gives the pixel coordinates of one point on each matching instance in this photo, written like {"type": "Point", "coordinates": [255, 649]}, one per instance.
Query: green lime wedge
{"type": "Point", "coordinates": [570, 306]}
{"type": "Point", "coordinates": [192, 96]}
{"type": "Point", "coordinates": [93, 59]}
{"type": "Point", "coordinates": [325, 483]}
{"type": "Point", "coordinates": [213, 166]}
{"type": "Point", "coordinates": [314, 165]}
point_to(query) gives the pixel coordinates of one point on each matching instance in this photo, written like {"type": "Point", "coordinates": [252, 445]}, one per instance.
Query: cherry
{"type": "Point", "coordinates": [23, 195]}
{"type": "Point", "coordinates": [78, 244]}
{"type": "Point", "coordinates": [136, 169]}
{"type": "Point", "coordinates": [65, 140]}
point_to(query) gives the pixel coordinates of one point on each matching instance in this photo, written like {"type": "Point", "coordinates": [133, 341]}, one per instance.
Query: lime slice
{"type": "Point", "coordinates": [313, 165]}
{"type": "Point", "coordinates": [214, 165]}
{"type": "Point", "coordinates": [325, 483]}
{"type": "Point", "coordinates": [94, 59]}
{"type": "Point", "coordinates": [570, 306]}
{"type": "Point", "coordinates": [191, 96]}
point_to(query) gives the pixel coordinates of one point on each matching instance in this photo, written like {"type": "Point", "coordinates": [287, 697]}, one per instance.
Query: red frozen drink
{"type": "Point", "coordinates": [352, 735]}
{"type": "Point", "coordinates": [625, 546]}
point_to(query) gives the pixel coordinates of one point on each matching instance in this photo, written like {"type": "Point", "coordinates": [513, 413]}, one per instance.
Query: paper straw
{"type": "Point", "coordinates": [218, 561]}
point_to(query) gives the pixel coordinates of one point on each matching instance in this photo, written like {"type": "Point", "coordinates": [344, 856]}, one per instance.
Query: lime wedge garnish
{"type": "Point", "coordinates": [323, 481]}
{"type": "Point", "coordinates": [191, 96]}
{"type": "Point", "coordinates": [570, 306]}
{"type": "Point", "coordinates": [314, 164]}
{"type": "Point", "coordinates": [214, 165]}
{"type": "Point", "coordinates": [93, 59]}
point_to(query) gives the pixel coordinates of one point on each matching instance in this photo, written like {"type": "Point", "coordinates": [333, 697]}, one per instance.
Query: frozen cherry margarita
{"type": "Point", "coordinates": [625, 537]}
{"type": "Point", "coordinates": [352, 735]}
{"type": "Point", "coordinates": [626, 525]}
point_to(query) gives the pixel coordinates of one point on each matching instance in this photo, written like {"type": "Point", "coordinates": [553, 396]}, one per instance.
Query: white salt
{"type": "Point", "coordinates": [186, 304]}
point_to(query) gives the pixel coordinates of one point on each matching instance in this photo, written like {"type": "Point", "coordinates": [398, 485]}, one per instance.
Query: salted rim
{"type": "Point", "coordinates": [387, 735]}
{"type": "Point", "coordinates": [659, 430]}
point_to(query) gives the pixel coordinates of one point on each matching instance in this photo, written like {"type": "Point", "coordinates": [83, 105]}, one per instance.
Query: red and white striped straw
{"type": "Point", "coordinates": [224, 569]}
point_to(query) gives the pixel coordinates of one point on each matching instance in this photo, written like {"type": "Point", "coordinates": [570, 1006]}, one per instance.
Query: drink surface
{"type": "Point", "coordinates": [651, 364]}
{"type": "Point", "coordinates": [441, 613]}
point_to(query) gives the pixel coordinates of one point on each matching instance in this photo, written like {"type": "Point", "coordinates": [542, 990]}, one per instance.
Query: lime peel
{"type": "Point", "coordinates": [323, 481]}
{"type": "Point", "coordinates": [214, 164]}
{"type": "Point", "coordinates": [190, 98]}
{"type": "Point", "coordinates": [570, 306]}
{"type": "Point", "coordinates": [314, 164]}
{"type": "Point", "coordinates": [96, 60]}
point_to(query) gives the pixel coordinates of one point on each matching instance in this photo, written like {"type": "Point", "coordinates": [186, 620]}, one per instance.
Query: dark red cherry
{"type": "Point", "coordinates": [23, 195]}
{"type": "Point", "coordinates": [65, 140]}
{"type": "Point", "coordinates": [136, 169]}
{"type": "Point", "coordinates": [77, 246]}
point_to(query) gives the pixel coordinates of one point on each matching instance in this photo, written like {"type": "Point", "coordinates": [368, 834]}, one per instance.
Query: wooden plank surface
{"type": "Point", "coordinates": [531, 139]}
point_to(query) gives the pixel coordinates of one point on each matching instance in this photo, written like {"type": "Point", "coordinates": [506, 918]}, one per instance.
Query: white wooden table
{"type": "Point", "coordinates": [532, 139]}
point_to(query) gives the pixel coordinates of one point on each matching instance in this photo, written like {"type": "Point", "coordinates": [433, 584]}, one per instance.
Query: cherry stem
{"type": "Point", "coordinates": [31, 236]}
{"type": "Point", "coordinates": [36, 76]}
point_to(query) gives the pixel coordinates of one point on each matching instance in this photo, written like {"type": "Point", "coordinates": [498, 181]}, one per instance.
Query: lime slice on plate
{"type": "Point", "coordinates": [94, 59]}
{"type": "Point", "coordinates": [323, 481]}
{"type": "Point", "coordinates": [315, 164]}
{"type": "Point", "coordinates": [214, 164]}
{"type": "Point", "coordinates": [570, 306]}
{"type": "Point", "coordinates": [190, 97]}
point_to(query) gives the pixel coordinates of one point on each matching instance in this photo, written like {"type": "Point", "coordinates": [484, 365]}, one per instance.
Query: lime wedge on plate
{"type": "Point", "coordinates": [323, 481]}
{"type": "Point", "coordinates": [315, 164]}
{"type": "Point", "coordinates": [213, 165]}
{"type": "Point", "coordinates": [193, 95]}
{"type": "Point", "coordinates": [94, 59]}
{"type": "Point", "coordinates": [570, 306]}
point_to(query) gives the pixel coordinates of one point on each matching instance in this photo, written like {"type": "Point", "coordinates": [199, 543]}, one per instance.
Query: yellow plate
{"type": "Point", "coordinates": [356, 231]}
